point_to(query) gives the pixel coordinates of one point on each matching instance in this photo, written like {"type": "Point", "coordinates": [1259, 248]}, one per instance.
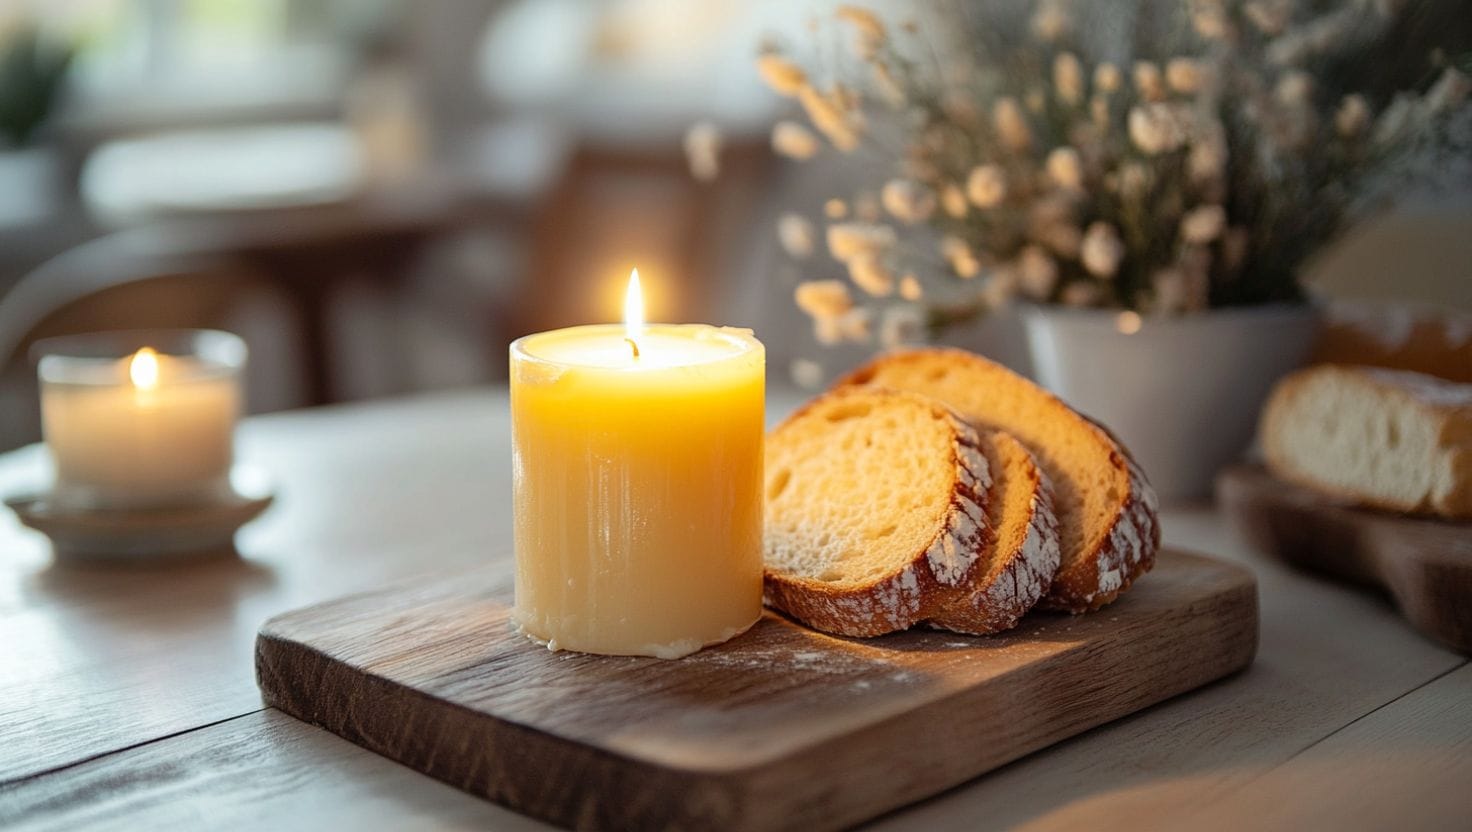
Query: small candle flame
{"type": "Point", "coordinates": [634, 312]}
{"type": "Point", "coordinates": [143, 369]}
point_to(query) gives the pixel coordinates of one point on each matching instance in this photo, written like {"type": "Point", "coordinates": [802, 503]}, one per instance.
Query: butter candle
{"type": "Point", "coordinates": [637, 468]}
{"type": "Point", "coordinates": [140, 420]}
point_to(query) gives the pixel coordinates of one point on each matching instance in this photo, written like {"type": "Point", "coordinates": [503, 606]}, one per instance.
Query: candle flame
{"type": "Point", "coordinates": [634, 308]}
{"type": "Point", "coordinates": [143, 369]}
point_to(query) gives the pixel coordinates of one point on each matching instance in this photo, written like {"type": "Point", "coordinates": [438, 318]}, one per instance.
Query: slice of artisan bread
{"type": "Point", "coordinates": [875, 508]}
{"type": "Point", "coordinates": [1023, 556]}
{"type": "Point", "coordinates": [1388, 438]}
{"type": "Point", "coordinates": [1106, 508]}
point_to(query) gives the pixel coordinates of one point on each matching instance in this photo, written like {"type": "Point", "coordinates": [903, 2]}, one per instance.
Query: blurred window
{"type": "Point", "coordinates": [191, 55]}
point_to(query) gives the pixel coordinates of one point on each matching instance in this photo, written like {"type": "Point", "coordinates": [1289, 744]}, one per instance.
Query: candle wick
{"type": "Point", "coordinates": [634, 345]}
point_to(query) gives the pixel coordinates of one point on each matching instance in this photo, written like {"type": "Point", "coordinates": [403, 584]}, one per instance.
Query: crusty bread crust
{"type": "Point", "coordinates": [916, 586]}
{"type": "Point", "coordinates": [1125, 554]}
{"type": "Point", "coordinates": [1447, 404]}
{"type": "Point", "coordinates": [1112, 561]}
{"type": "Point", "coordinates": [996, 601]}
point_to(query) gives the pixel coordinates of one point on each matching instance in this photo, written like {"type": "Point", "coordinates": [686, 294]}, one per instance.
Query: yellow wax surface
{"type": "Point", "coordinates": [117, 444]}
{"type": "Point", "coordinates": [638, 510]}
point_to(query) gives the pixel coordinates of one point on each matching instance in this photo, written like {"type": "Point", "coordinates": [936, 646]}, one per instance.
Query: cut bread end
{"type": "Point", "coordinates": [1390, 439]}
{"type": "Point", "coordinates": [875, 507]}
{"type": "Point", "coordinates": [1023, 557]}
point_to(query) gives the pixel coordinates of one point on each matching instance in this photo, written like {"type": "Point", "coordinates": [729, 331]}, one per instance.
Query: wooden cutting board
{"type": "Point", "coordinates": [1425, 565]}
{"type": "Point", "coordinates": [781, 728]}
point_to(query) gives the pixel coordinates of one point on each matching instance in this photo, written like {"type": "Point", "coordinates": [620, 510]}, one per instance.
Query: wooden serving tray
{"type": "Point", "coordinates": [781, 728]}
{"type": "Point", "coordinates": [1424, 564]}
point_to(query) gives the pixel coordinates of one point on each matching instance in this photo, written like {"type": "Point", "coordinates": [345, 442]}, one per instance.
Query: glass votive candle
{"type": "Point", "coordinates": [142, 418]}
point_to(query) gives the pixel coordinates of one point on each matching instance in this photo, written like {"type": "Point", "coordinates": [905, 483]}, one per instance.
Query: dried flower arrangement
{"type": "Point", "coordinates": [1241, 137]}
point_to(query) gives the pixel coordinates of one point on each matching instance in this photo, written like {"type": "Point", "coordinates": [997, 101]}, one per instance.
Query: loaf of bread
{"type": "Point", "coordinates": [884, 511]}
{"type": "Point", "coordinates": [1387, 438]}
{"type": "Point", "coordinates": [1429, 340]}
{"type": "Point", "coordinates": [1106, 508]}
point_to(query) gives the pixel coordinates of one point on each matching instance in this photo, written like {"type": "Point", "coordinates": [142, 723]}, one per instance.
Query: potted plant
{"type": "Point", "coordinates": [1152, 210]}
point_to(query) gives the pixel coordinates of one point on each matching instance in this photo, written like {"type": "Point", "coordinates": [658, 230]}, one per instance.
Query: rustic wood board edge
{"type": "Point", "coordinates": [889, 763]}
{"type": "Point", "coordinates": [1424, 565]}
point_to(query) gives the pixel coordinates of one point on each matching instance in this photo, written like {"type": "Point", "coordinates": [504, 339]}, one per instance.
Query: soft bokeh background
{"type": "Point", "coordinates": [379, 195]}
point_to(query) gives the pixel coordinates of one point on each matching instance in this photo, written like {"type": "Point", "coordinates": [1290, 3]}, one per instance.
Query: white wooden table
{"type": "Point", "coordinates": [127, 698]}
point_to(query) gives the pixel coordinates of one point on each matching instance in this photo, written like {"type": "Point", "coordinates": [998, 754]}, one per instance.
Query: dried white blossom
{"type": "Point", "coordinates": [1051, 21]}
{"type": "Point", "coordinates": [847, 98]}
{"type": "Point", "coordinates": [1203, 224]}
{"type": "Point", "coordinates": [986, 186]}
{"type": "Point", "coordinates": [1000, 288]}
{"type": "Point", "coordinates": [1135, 180]}
{"type": "Point", "coordinates": [856, 324]}
{"type": "Point", "coordinates": [1156, 129]}
{"type": "Point", "coordinates": [831, 116]}
{"type": "Point", "coordinates": [1065, 168]}
{"type": "Point", "coordinates": [793, 140]}
{"type": "Point", "coordinates": [1296, 46]}
{"type": "Point", "coordinates": [828, 331]}
{"type": "Point", "coordinates": [1099, 111]}
{"type": "Point", "coordinates": [960, 107]}
{"type": "Point", "coordinates": [1050, 221]}
{"type": "Point", "coordinates": [1269, 16]}
{"type": "Point", "coordinates": [910, 288]}
{"type": "Point", "coordinates": [1395, 119]}
{"type": "Point", "coordinates": [1294, 89]}
{"type": "Point", "coordinates": [1037, 273]}
{"type": "Point", "coordinates": [1148, 81]}
{"type": "Point", "coordinates": [1177, 291]}
{"type": "Point", "coordinates": [1063, 238]}
{"type": "Point", "coordinates": [869, 32]}
{"type": "Point", "coordinates": [823, 298]}
{"type": "Point", "coordinates": [847, 240]}
{"type": "Point", "coordinates": [959, 255]}
{"type": "Point", "coordinates": [907, 200]}
{"type": "Point", "coordinates": [703, 151]}
{"type": "Point", "coordinates": [1102, 250]}
{"type": "Point", "coordinates": [797, 235]}
{"type": "Point", "coordinates": [1107, 78]}
{"type": "Point", "coordinates": [1011, 124]}
{"type": "Point", "coordinates": [806, 373]}
{"type": "Point", "coordinates": [783, 76]}
{"type": "Point", "coordinates": [1451, 89]}
{"type": "Point", "coordinates": [1068, 78]}
{"type": "Point", "coordinates": [900, 325]}
{"type": "Point", "coordinates": [870, 274]}
{"type": "Point", "coordinates": [1185, 75]}
{"type": "Point", "coordinates": [1081, 293]}
{"type": "Point", "coordinates": [1207, 160]}
{"type": "Point", "coordinates": [835, 209]}
{"type": "Point", "coordinates": [1353, 116]}
{"type": "Point", "coordinates": [888, 86]}
{"type": "Point", "coordinates": [953, 201]}
{"type": "Point", "coordinates": [1210, 19]}
{"type": "Point", "coordinates": [1036, 101]}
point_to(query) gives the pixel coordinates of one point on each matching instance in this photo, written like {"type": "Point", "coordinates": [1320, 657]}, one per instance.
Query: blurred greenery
{"type": "Point", "coordinates": [32, 69]}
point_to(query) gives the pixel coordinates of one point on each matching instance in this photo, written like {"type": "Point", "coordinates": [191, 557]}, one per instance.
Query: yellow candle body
{"type": "Point", "coordinates": [116, 445]}
{"type": "Point", "coordinates": [637, 483]}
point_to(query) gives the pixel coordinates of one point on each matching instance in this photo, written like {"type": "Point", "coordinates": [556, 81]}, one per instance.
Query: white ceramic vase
{"type": "Point", "coordinates": [1182, 393]}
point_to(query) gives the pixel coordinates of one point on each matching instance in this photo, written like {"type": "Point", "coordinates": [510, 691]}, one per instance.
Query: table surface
{"type": "Point", "coordinates": [127, 698]}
